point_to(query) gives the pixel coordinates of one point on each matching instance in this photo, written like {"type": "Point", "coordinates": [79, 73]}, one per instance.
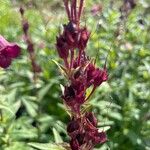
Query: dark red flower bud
{"type": "Point", "coordinates": [96, 76]}
{"type": "Point", "coordinates": [74, 145]}
{"type": "Point", "coordinates": [71, 34]}
{"type": "Point", "coordinates": [91, 119]}
{"type": "Point", "coordinates": [69, 98]}
{"type": "Point", "coordinates": [30, 46]}
{"type": "Point", "coordinates": [62, 47]}
{"type": "Point", "coordinates": [100, 76]}
{"type": "Point", "coordinates": [77, 74]}
{"type": "Point", "coordinates": [90, 74]}
{"type": "Point", "coordinates": [74, 97]}
{"type": "Point", "coordinates": [79, 87]}
{"type": "Point", "coordinates": [80, 138]}
{"type": "Point", "coordinates": [83, 38]}
{"type": "Point", "coordinates": [70, 39]}
{"type": "Point", "coordinates": [21, 11]}
{"type": "Point", "coordinates": [71, 27]}
{"type": "Point", "coordinates": [73, 127]}
{"type": "Point", "coordinates": [8, 51]}
{"type": "Point", "coordinates": [25, 26]}
{"type": "Point", "coordinates": [80, 97]}
{"type": "Point", "coordinates": [99, 138]}
{"type": "Point", "coordinates": [69, 93]}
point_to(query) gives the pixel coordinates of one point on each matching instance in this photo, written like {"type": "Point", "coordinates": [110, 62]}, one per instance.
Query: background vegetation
{"type": "Point", "coordinates": [32, 112]}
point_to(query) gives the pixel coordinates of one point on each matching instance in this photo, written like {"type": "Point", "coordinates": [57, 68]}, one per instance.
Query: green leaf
{"type": "Point", "coordinates": [12, 95]}
{"type": "Point", "coordinates": [31, 107]}
{"type": "Point", "coordinates": [62, 69]}
{"type": "Point", "coordinates": [44, 91]}
{"type": "Point", "coordinates": [7, 108]}
{"type": "Point", "coordinates": [48, 146]}
{"type": "Point", "coordinates": [106, 128]}
{"type": "Point", "coordinates": [62, 89]}
{"type": "Point", "coordinates": [16, 106]}
{"type": "Point", "coordinates": [57, 137]}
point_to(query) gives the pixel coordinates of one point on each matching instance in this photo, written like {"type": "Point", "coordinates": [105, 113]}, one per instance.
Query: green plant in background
{"type": "Point", "coordinates": [122, 103]}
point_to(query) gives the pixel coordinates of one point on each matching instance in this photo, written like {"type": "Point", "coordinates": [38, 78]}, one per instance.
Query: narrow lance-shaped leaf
{"type": "Point", "coordinates": [57, 137]}
{"type": "Point", "coordinates": [47, 146]}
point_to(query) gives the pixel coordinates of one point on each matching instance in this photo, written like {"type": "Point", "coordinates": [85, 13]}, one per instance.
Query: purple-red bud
{"type": "Point", "coordinates": [21, 11]}
{"type": "Point", "coordinates": [83, 38]}
{"type": "Point", "coordinates": [30, 46]}
{"type": "Point", "coordinates": [73, 127]}
{"type": "Point", "coordinates": [25, 26]}
{"type": "Point", "coordinates": [91, 119]}
{"type": "Point", "coordinates": [62, 47]}
{"type": "Point", "coordinates": [74, 145]}
{"type": "Point", "coordinates": [99, 137]}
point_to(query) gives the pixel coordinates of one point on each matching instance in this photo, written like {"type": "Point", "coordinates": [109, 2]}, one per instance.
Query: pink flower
{"type": "Point", "coordinates": [8, 51]}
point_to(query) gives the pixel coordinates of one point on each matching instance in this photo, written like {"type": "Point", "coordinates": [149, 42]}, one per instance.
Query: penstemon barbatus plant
{"type": "Point", "coordinates": [82, 74]}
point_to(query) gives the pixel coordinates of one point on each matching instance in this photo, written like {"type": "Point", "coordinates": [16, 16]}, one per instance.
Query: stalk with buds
{"type": "Point", "coordinates": [30, 46]}
{"type": "Point", "coordinates": [82, 74]}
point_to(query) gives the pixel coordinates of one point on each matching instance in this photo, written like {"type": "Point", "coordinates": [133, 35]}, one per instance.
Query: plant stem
{"type": "Point", "coordinates": [1, 115]}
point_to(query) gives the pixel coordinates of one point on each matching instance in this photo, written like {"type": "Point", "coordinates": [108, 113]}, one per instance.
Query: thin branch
{"type": "Point", "coordinates": [75, 9]}
{"type": "Point", "coordinates": [80, 9]}
{"type": "Point", "coordinates": [67, 9]}
{"type": "Point", "coordinates": [72, 58]}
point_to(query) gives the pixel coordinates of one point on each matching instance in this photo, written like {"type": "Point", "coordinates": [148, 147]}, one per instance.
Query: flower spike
{"type": "Point", "coordinates": [82, 74]}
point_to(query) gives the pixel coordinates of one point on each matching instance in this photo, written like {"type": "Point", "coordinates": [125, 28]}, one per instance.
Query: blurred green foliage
{"type": "Point", "coordinates": [32, 112]}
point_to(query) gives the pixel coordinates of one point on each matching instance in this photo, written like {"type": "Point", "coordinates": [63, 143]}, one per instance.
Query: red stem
{"type": "Point", "coordinates": [79, 58]}
{"type": "Point", "coordinates": [75, 10]}
{"type": "Point", "coordinates": [80, 9]}
{"type": "Point", "coordinates": [67, 9]}
{"type": "Point", "coordinates": [72, 10]}
{"type": "Point", "coordinates": [72, 57]}
{"type": "Point", "coordinates": [66, 63]}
